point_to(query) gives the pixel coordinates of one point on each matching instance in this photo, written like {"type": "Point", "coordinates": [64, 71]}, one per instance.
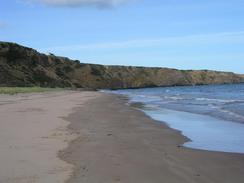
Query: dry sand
{"type": "Point", "coordinates": [32, 132]}
{"type": "Point", "coordinates": [111, 143]}
{"type": "Point", "coordinates": [120, 144]}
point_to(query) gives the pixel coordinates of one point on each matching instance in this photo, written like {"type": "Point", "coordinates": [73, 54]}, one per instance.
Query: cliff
{"type": "Point", "coordinates": [22, 66]}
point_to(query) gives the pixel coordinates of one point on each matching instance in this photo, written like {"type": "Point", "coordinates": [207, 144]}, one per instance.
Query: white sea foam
{"type": "Point", "coordinates": [218, 100]}
{"type": "Point", "coordinates": [174, 97]}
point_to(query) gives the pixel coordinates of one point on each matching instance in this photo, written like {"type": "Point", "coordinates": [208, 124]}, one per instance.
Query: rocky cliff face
{"type": "Point", "coordinates": [22, 66]}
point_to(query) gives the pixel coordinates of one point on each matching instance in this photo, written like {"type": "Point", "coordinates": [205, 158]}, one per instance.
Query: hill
{"type": "Point", "coordinates": [22, 66]}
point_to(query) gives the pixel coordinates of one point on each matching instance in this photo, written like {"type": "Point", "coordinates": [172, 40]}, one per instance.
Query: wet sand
{"type": "Point", "coordinates": [120, 144]}
{"type": "Point", "coordinates": [91, 137]}
{"type": "Point", "coordinates": [32, 132]}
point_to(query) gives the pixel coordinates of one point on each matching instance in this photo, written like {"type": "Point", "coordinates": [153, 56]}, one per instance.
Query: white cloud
{"type": "Point", "coordinates": [78, 3]}
{"type": "Point", "coordinates": [188, 40]}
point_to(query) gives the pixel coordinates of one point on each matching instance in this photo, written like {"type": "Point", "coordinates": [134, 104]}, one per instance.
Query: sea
{"type": "Point", "coordinates": [211, 116]}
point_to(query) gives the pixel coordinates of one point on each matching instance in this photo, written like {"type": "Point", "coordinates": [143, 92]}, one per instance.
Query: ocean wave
{"type": "Point", "coordinates": [189, 98]}
{"type": "Point", "coordinates": [174, 97]}
{"type": "Point", "coordinates": [217, 100]}
{"type": "Point", "coordinates": [231, 113]}
{"type": "Point", "coordinates": [226, 102]}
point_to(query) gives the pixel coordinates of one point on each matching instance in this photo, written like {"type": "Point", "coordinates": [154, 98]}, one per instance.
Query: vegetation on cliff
{"type": "Point", "coordinates": [22, 66]}
{"type": "Point", "coordinates": [15, 90]}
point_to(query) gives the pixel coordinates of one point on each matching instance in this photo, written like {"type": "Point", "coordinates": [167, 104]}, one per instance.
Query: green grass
{"type": "Point", "coordinates": [15, 90]}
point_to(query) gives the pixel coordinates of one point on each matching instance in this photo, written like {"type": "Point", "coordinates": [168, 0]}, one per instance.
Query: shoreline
{"type": "Point", "coordinates": [222, 136]}
{"type": "Point", "coordinates": [94, 137]}
{"type": "Point", "coordinates": [126, 145]}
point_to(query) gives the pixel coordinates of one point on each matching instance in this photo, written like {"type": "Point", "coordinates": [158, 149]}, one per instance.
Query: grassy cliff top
{"type": "Point", "coordinates": [15, 90]}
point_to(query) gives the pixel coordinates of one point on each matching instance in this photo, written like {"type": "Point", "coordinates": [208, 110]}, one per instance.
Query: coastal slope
{"type": "Point", "coordinates": [22, 66]}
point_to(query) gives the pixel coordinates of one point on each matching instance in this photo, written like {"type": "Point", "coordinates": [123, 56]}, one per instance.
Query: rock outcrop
{"type": "Point", "coordinates": [22, 66]}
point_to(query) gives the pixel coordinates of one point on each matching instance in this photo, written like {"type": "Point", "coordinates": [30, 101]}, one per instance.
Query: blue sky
{"type": "Point", "coordinates": [184, 34]}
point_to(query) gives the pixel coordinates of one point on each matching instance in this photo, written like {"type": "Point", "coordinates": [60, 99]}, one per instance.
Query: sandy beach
{"type": "Point", "coordinates": [33, 130]}
{"type": "Point", "coordinates": [93, 137]}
